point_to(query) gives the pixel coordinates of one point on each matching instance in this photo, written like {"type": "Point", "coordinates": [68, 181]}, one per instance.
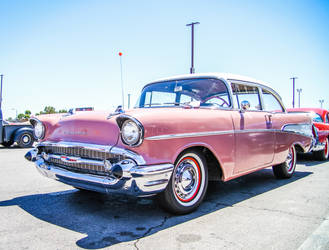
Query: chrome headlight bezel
{"type": "Point", "coordinates": [130, 127]}
{"type": "Point", "coordinates": [39, 129]}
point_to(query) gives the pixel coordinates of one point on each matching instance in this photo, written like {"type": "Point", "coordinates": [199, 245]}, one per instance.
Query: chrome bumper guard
{"type": "Point", "coordinates": [318, 146]}
{"type": "Point", "coordinates": [133, 179]}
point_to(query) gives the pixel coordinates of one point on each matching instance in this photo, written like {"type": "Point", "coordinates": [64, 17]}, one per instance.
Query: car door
{"type": "Point", "coordinates": [254, 137]}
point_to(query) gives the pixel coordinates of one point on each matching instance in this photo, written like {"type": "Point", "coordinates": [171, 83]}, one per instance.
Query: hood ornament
{"type": "Point", "coordinates": [118, 110]}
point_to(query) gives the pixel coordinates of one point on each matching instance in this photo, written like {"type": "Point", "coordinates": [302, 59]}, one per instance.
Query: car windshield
{"type": "Point", "coordinates": [206, 92]}
{"type": "Point", "coordinates": [316, 117]}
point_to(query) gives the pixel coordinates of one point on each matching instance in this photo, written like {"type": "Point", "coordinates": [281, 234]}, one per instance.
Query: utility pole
{"type": "Point", "coordinates": [293, 89]}
{"type": "Point", "coordinates": [122, 92]}
{"type": "Point", "coordinates": [129, 101]}
{"type": "Point", "coordinates": [1, 91]}
{"type": "Point", "coordinates": [321, 102]}
{"type": "Point", "coordinates": [192, 70]}
{"type": "Point", "coordinates": [299, 91]}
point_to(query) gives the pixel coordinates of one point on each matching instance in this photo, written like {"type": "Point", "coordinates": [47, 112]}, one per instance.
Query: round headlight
{"type": "Point", "coordinates": [39, 130]}
{"type": "Point", "coordinates": [131, 133]}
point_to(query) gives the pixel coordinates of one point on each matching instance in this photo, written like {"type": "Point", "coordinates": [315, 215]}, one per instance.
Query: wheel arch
{"type": "Point", "coordinates": [215, 169]}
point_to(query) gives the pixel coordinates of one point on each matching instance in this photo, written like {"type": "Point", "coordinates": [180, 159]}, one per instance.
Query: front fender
{"type": "Point", "coordinates": [21, 131]}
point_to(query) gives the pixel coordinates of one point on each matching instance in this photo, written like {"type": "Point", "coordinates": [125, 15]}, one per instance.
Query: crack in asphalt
{"type": "Point", "coordinates": [218, 204]}
{"type": "Point", "coordinates": [284, 212]}
{"type": "Point", "coordinates": [150, 229]}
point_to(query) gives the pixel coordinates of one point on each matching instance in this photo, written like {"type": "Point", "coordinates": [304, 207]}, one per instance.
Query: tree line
{"type": "Point", "coordinates": [22, 117]}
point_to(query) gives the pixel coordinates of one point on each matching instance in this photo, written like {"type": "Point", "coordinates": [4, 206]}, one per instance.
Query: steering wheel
{"type": "Point", "coordinates": [217, 97]}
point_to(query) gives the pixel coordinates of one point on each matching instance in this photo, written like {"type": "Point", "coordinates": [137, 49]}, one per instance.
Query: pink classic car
{"type": "Point", "coordinates": [184, 131]}
{"type": "Point", "coordinates": [320, 119]}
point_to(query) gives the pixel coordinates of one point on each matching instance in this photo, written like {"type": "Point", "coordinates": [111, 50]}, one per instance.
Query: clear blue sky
{"type": "Point", "coordinates": [64, 53]}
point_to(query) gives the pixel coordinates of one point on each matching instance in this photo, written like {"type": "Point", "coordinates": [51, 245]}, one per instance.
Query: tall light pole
{"type": "Point", "coordinates": [1, 91]}
{"type": "Point", "coordinates": [299, 91]}
{"type": "Point", "coordinates": [129, 101]}
{"type": "Point", "coordinates": [122, 91]}
{"type": "Point", "coordinates": [293, 89]}
{"type": "Point", "coordinates": [192, 70]}
{"type": "Point", "coordinates": [321, 102]}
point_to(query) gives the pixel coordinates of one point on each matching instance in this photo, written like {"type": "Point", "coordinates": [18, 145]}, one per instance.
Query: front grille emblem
{"type": "Point", "coordinates": [70, 159]}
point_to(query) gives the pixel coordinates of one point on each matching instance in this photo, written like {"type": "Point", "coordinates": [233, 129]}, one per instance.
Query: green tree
{"type": "Point", "coordinates": [27, 114]}
{"type": "Point", "coordinates": [21, 117]}
{"type": "Point", "coordinates": [48, 110]}
{"type": "Point", "coordinates": [62, 111]}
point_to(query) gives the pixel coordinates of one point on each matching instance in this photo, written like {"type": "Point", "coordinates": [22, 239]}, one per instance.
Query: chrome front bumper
{"type": "Point", "coordinates": [134, 180]}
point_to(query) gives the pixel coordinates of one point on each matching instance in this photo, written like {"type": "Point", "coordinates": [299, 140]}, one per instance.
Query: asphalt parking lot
{"type": "Point", "coordinates": [252, 212]}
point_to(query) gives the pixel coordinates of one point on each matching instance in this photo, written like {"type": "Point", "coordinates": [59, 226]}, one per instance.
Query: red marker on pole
{"type": "Point", "coordinates": [123, 101]}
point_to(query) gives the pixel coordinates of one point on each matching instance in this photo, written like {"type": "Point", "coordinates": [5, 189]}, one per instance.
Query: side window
{"type": "Point", "coordinates": [243, 93]}
{"type": "Point", "coordinates": [327, 120]}
{"type": "Point", "coordinates": [270, 102]}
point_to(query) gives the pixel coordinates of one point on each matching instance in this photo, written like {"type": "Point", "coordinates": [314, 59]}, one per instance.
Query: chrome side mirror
{"type": "Point", "coordinates": [245, 105]}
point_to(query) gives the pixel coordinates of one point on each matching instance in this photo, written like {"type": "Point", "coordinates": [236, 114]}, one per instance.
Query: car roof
{"type": "Point", "coordinates": [225, 76]}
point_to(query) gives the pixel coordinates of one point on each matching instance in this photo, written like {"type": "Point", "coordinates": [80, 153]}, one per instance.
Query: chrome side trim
{"type": "Point", "coordinates": [186, 135]}
{"type": "Point", "coordinates": [224, 132]}
{"type": "Point", "coordinates": [241, 131]}
{"type": "Point", "coordinates": [209, 133]}
{"type": "Point", "coordinates": [101, 148]}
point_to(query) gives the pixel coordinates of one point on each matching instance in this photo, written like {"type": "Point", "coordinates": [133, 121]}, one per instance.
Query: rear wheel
{"type": "Point", "coordinates": [25, 140]}
{"type": "Point", "coordinates": [287, 168]}
{"type": "Point", "coordinates": [322, 155]}
{"type": "Point", "coordinates": [188, 184]}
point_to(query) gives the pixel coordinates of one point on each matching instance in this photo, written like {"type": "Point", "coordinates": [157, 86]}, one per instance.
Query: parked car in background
{"type": "Point", "coordinates": [21, 133]}
{"type": "Point", "coordinates": [320, 119]}
{"type": "Point", "coordinates": [185, 131]}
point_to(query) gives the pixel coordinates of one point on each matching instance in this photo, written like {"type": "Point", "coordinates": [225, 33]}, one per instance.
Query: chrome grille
{"type": "Point", "coordinates": [98, 155]}
{"type": "Point", "coordinates": [81, 152]}
{"type": "Point", "coordinates": [79, 167]}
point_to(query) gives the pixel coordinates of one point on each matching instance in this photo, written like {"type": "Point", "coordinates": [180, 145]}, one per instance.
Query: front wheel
{"type": "Point", "coordinates": [188, 183]}
{"type": "Point", "coordinates": [322, 155]}
{"type": "Point", "coordinates": [287, 168]}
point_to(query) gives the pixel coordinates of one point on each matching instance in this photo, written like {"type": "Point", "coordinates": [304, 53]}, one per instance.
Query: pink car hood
{"type": "Point", "coordinates": [162, 121]}
{"type": "Point", "coordinates": [84, 127]}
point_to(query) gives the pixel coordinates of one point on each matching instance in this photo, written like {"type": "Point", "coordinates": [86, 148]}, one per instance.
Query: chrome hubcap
{"type": "Point", "coordinates": [290, 160]}
{"type": "Point", "coordinates": [187, 179]}
{"type": "Point", "coordinates": [26, 139]}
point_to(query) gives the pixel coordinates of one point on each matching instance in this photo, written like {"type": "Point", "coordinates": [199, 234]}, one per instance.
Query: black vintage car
{"type": "Point", "coordinates": [11, 133]}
